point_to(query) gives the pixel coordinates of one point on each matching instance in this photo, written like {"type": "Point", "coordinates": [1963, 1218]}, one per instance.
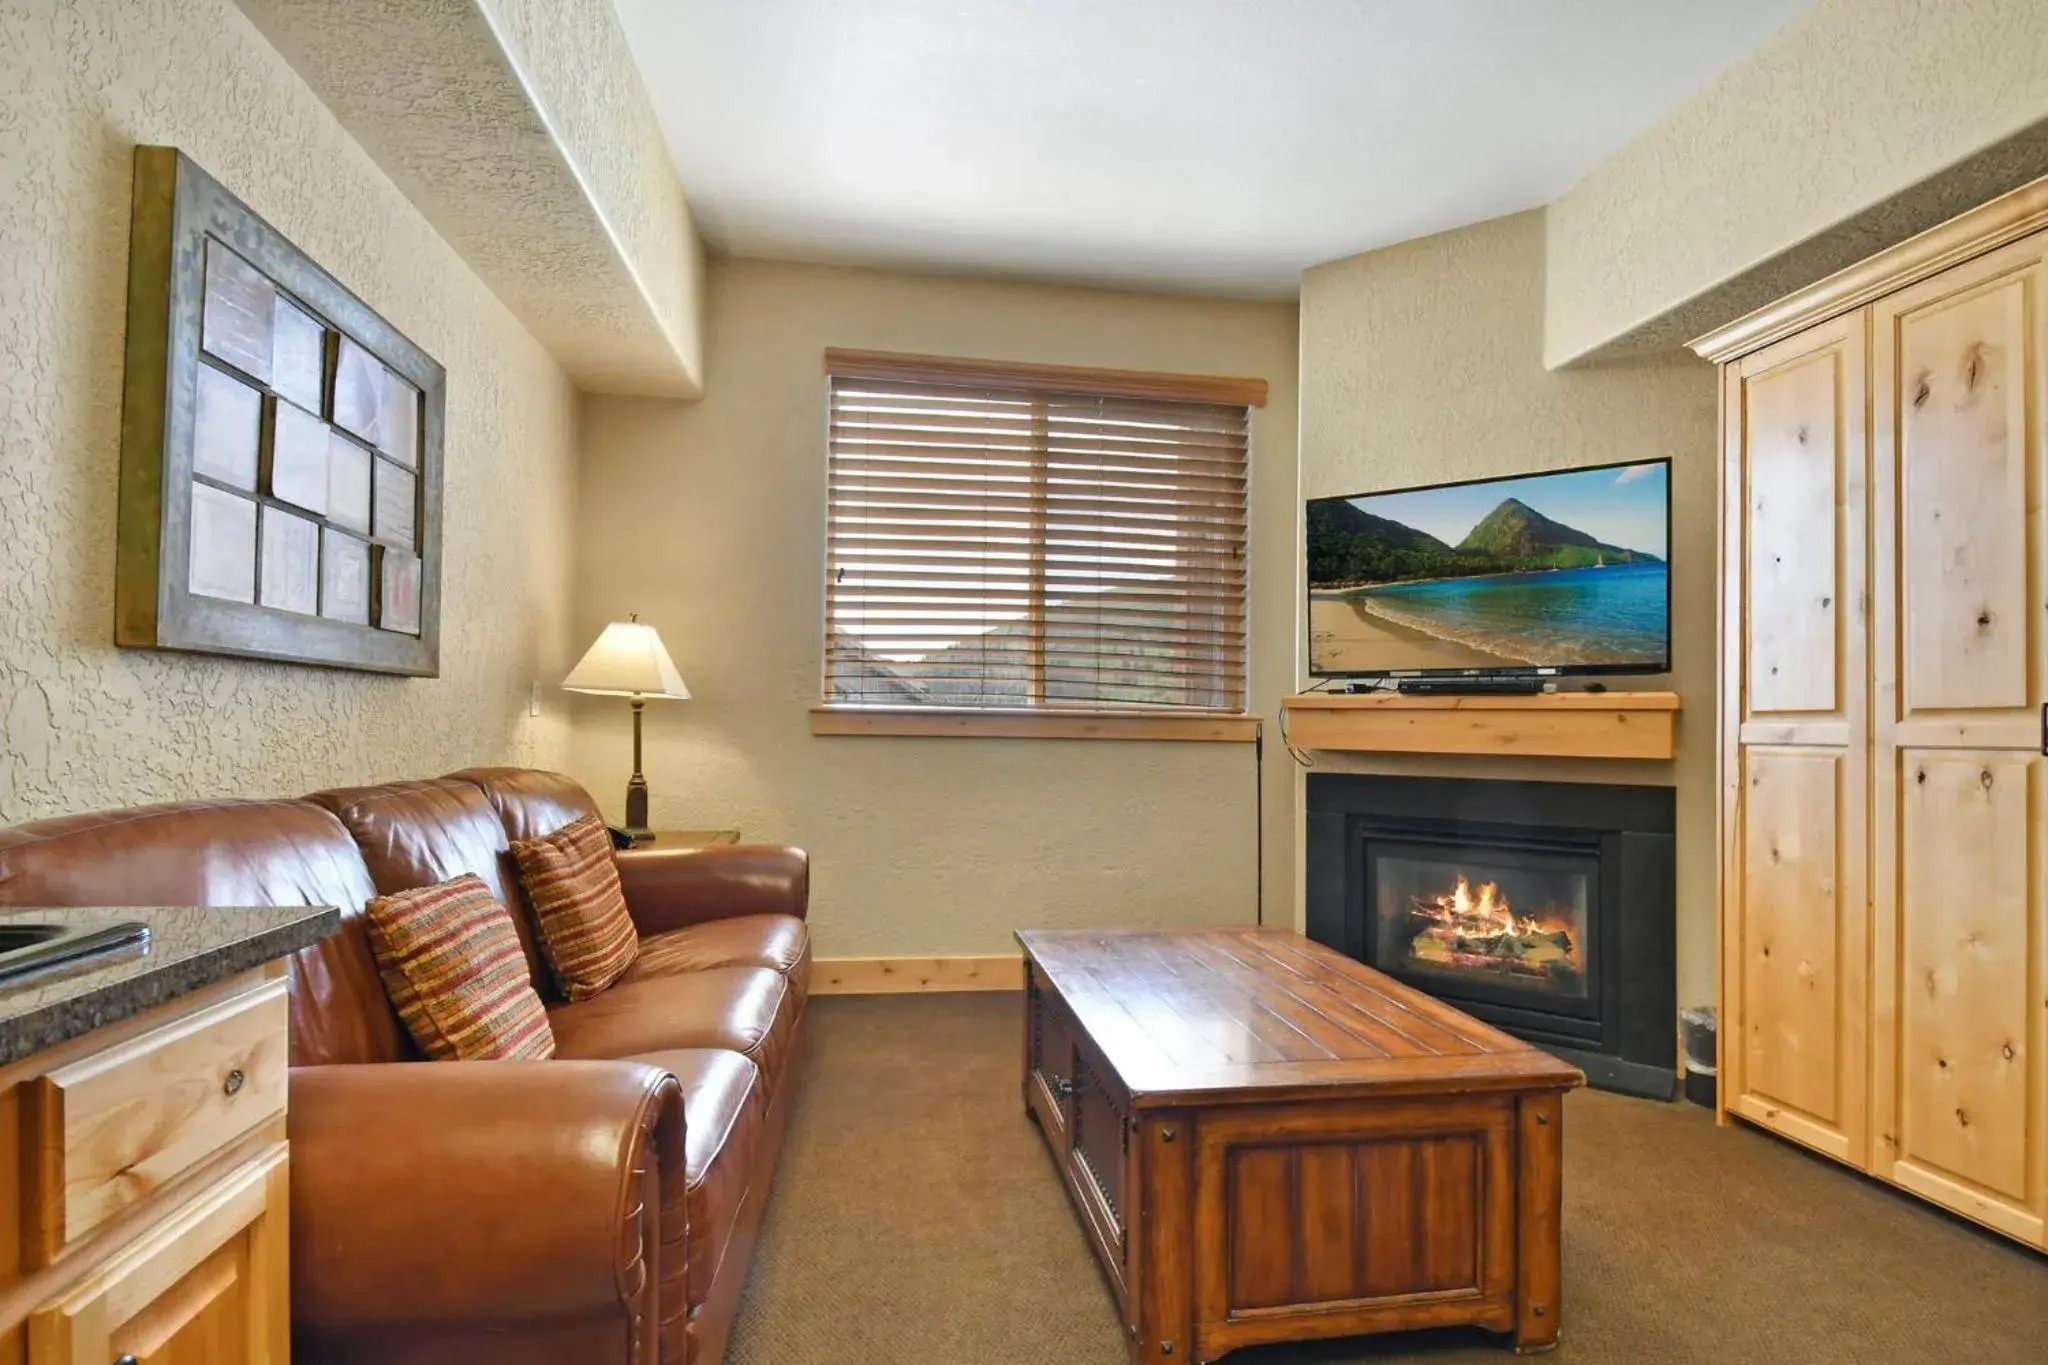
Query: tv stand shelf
{"type": "Point", "coordinates": [1551, 725]}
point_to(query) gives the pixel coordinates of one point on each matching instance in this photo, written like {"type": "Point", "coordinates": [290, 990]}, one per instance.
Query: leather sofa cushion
{"type": "Point", "coordinates": [749, 1010]}
{"type": "Point", "coordinates": [414, 834]}
{"type": "Point", "coordinates": [778, 942]}
{"type": "Point", "coordinates": [228, 853]}
{"type": "Point", "coordinates": [724, 1109]}
{"type": "Point", "coordinates": [529, 801]}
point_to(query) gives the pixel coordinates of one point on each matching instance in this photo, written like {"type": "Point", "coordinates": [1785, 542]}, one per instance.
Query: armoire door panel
{"type": "Point", "coordinates": [1993, 1211]}
{"type": "Point", "coordinates": [1795, 739]}
{"type": "Point", "coordinates": [1801, 953]}
{"type": "Point", "coordinates": [1792, 484]}
{"type": "Point", "coordinates": [1966, 1008]}
{"type": "Point", "coordinates": [1959, 1021]}
{"type": "Point", "coordinates": [1962, 450]}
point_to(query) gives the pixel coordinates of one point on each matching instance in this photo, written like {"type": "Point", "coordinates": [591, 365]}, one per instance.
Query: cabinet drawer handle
{"type": "Point", "coordinates": [232, 1085]}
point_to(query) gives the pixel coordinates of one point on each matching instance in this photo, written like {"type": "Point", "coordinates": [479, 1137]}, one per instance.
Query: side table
{"type": "Point", "coordinates": [684, 838]}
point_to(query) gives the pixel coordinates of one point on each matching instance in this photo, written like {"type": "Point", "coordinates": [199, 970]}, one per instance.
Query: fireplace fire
{"type": "Point", "coordinates": [1459, 930]}
{"type": "Point", "coordinates": [1485, 917]}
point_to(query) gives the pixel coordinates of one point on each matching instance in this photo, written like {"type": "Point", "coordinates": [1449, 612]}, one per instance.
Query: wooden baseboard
{"type": "Point", "coordinates": [904, 975]}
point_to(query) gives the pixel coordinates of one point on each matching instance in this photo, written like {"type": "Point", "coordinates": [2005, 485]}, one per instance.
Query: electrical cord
{"type": "Point", "coordinates": [1259, 816]}
{"type": "Point", "coordinates": [1302, 758]}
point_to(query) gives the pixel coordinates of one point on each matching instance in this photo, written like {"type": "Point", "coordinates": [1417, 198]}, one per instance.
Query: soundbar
{"type": "Point", "coordinates": [1472, 687]}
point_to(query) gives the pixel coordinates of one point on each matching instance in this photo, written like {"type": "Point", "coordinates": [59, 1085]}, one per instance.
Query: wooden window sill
{"type": "Point", "coordinates": [927, 722]}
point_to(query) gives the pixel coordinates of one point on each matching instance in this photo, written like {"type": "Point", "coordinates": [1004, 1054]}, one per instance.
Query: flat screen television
{"type": "Point", "coordinates": [1560, 573]}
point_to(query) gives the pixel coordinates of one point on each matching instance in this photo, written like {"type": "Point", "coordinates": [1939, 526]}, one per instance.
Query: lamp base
{"type": "Point", "coordinates": [636, 805]}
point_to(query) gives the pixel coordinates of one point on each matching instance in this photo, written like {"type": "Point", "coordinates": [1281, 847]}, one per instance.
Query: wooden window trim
{"type": "Point", "coordinates": [1063, 379]}
{"type": "Point", "coordinates": [934, 722]}
{"type": "Point", "coordinates": [1209, 493]}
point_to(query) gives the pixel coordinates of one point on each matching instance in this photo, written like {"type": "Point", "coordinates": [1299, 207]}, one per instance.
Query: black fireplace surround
{"type": "Point", "coordinates": [1548, 909]}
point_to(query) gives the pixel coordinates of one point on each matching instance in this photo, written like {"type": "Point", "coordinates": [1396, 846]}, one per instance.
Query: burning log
{"type": "Point", "coordinates": [1462, 929]}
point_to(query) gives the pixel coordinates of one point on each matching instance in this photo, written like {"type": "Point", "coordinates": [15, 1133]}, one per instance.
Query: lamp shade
{"type": "Point", "coordinates": [627, 661]}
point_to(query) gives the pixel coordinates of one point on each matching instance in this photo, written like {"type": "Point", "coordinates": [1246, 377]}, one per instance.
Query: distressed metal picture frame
{"type": "Point", "coordinates": [178, 210]}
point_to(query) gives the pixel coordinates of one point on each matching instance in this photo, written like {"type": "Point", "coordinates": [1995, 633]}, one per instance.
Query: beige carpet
{"type": "Point", "coordinates": [916, 1220]}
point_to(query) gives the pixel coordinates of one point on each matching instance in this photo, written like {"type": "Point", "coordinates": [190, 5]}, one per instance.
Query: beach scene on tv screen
{"type": "Point", "coordinates": [1556, 570]}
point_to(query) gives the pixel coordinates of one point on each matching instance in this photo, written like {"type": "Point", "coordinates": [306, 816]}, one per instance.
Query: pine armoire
{"type": "Point", "coordinates": [1884, 716]}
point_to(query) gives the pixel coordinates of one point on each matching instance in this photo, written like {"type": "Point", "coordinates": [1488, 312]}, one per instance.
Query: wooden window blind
{"type": "Point", "coordinates": [1024, 537]}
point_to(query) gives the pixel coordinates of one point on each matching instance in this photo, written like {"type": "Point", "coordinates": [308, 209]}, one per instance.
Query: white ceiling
{"type": "Point", "coordinates": [1218, 145]}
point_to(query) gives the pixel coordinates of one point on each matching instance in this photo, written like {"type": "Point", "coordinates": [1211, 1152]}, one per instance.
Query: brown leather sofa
{"type": "Point", "coordinates": [597, 1207]}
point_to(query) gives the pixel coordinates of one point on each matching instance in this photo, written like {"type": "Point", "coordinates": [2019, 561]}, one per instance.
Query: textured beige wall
{"type": "Point", "coordinates": [521, 129]}
{"type": "Point", "coordinates": [1824, 127]}
{"type": "Point", "coordinates": [83, 724]}
{"type": "Point", "coordinates": [708, 520]}
{"type": "Point", "coordinates": [1422, 363]}
{"type": "Point", "coordinates": [572, 56]}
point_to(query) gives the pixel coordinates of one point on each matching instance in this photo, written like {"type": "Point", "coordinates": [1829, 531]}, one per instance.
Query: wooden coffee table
{"type": "Point", "coordinates": [1267, 1141]}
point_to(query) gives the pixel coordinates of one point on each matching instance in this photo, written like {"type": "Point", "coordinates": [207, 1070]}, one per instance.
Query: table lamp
{"type": "Point", "coordinates": [628, 661]}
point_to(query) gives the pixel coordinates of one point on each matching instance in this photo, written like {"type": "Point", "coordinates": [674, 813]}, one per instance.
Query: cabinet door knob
{"type": "Point", "coordinates": [126, 1360]}
{"type": "Point", "coordinates": [230, 1086]}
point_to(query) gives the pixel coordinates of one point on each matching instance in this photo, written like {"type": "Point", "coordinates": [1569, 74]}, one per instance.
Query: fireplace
{"type": "Point", "coordinates": [1545, 908]}
{"type": "Point", "coordinates": [1463, 920]}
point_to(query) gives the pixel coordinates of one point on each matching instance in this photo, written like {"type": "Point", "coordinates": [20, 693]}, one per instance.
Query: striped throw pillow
{"type": "Point", "coordinates": [452, 966]}
{"type": "Point", "coordinates": [573, 883]}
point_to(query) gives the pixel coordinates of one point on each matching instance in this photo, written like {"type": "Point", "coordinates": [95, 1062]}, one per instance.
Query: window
{"type": "Point", "coordinates": [1034, 538]}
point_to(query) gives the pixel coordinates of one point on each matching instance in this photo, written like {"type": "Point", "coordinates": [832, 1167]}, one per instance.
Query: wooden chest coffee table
{"type": "Point", "coordinates": [1267, 1141]}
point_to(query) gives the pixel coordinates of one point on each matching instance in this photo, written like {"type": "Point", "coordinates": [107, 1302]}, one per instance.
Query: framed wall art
{"type": "Point", "coordinates": [280, 447]}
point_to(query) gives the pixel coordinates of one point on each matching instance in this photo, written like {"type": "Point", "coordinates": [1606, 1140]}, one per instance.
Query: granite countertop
{"type": "Point", "coordinates": [189, 947]}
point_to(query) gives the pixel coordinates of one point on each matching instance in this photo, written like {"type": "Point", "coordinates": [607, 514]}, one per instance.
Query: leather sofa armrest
{"type": "Point", "coordinates": [477, 1192]}
{"type": "Point", "coordinates": [668, 888]}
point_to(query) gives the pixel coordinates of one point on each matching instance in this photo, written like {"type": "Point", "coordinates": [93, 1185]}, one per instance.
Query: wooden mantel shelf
{"type": "Point", "coordinates": [1550, 725]}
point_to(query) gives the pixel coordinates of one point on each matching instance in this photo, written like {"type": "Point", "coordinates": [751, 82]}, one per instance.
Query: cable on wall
{"type": "Point", "coordinates": [1259, 815]}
